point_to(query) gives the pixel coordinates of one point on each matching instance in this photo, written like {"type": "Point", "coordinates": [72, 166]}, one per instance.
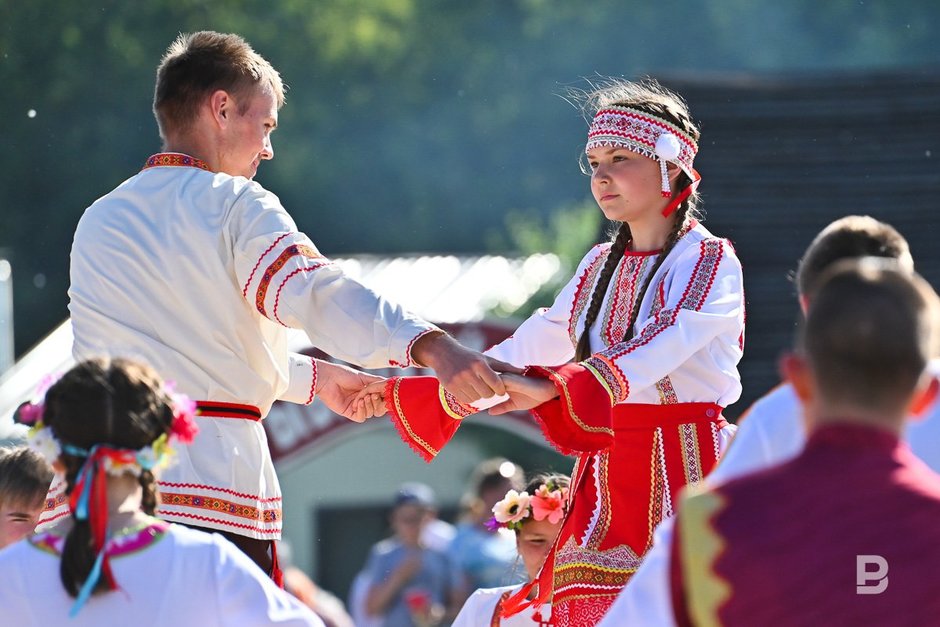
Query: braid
{"type": "Point", "coordinates": [112, 402]}
{"type": "Point", "coordinates": [671, 240]}
{"type": "Point", "coordinates": [583, 350]}
{"type": "Point", "coordinates": [148, 501]}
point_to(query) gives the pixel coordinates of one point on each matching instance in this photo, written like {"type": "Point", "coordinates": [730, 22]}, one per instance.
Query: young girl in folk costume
{"type": "Point", "coordinates": [654, 323]}
{"type": "Point", "coordinates": [108, 426]}
{"type": "Point", "coordinates": [535, 516]}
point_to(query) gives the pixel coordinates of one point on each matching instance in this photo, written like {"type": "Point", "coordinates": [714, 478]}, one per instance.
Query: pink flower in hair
{"type": "Point", "coordinates": [30, 413]}
{"type": "Point", "coordinates": [184, 427]}
{"type": "Point", "coordinates": [548, 504]}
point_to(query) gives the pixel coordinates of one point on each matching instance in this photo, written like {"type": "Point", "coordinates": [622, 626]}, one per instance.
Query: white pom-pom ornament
{"type": "Point", "coordinates": [667, 147]}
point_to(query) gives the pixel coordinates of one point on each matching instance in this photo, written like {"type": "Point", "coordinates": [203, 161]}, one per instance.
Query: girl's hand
{"type": "Point", "coordinates": [524, 393]}
{"type": "Point", "coordinates": [350, 393]}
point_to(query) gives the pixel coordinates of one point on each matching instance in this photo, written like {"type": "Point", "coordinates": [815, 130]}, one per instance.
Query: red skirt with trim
{"type": "Point", "coordinates": [632, 462]}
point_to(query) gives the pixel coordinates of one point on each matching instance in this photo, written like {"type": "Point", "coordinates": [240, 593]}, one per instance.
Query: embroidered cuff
{"type": "Point", "coordinates": [579, 420]}
{"type": "Point", "coordinates": [303, 380]}
{"type": "Point", "coordinates": [425, 415]}
{"type": "Point", "coordinates": [610, 376]}
{"type": "Point", "coordinates": [406, 336]}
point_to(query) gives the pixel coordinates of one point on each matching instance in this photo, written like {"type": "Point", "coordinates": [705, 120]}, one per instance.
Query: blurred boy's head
{"type": "Point", "coordinates": [24, 480]}
{"type": "Point", "coordinates": [851, 237]}
{"type": "Point", "coordinates": [412, 508]}
{"type": "Point", "coordinates": [870, 330]}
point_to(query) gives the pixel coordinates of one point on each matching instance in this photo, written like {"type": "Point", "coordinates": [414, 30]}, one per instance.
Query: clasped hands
{"type": "Point", "coordinates": [468, 375]}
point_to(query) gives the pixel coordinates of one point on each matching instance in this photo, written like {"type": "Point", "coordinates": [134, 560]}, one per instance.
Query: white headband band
{"type": "Point", "coordinates": [647, 135]}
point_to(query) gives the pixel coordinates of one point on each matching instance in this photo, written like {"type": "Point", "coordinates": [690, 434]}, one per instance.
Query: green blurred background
{"type": "Point", "coordinates": [411, 125]}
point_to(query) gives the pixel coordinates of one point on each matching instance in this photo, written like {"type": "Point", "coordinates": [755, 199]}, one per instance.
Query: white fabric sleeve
{"type": "Point", "coordinates": [288, 281]}
{"type": "Point", "coordinates": [647, 598]}
{"type": "Point", "coordinates": [547, 338]}
{"type": "Point", "coordinates": [246, 596]}
{"type": "Point", "coordinates": [771, 431]}
{"type": "Point", "coordinates": [702, 298]}
{"type": "Point", "coordinates": [476, 611]}
{"type": "Point", "coordinates": [301, 380]}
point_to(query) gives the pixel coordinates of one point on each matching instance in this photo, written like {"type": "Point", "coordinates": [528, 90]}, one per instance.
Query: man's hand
{"type": "Point", "coordinates": [524, 393]}
{"type": "Point", "coordinates": [463, 372]}
{"type": "Point", "coordinates": [343, 390]}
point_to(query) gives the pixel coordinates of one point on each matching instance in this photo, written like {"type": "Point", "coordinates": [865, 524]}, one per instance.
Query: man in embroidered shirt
{"type": "Point", "coordinates": [856, 497]}
{"type": "Point", "coordinates": [199, 271]}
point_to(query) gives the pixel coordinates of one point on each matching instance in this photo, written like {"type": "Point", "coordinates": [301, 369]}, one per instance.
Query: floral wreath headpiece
{"type": "Point", "coordinates": [116, 461]}
{"type": "Point", "coordinates": [650, 136]}
{"type": "Point", "coordinates": [88, 499]}
{"type": "Point", "coordinates": [550, 502]}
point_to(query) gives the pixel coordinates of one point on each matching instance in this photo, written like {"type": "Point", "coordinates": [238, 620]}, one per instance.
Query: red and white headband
{"type": "Point", "coordinates": [647, 135]}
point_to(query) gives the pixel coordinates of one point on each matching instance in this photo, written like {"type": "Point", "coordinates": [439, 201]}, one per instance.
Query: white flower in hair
{"type": "Point", "coordinates": [41, 440]}
{"type": "Point", "coordinates": [513, 508]}
{"type": "Point", "coordinates": [668, 147]}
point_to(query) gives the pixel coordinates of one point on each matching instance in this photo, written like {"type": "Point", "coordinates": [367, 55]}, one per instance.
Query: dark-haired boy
{"type": "Point", "coordinates": [795, 544]}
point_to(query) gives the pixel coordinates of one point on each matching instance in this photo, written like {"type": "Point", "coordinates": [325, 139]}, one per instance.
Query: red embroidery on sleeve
{"type": "Point", "coordinates": [258, 263]}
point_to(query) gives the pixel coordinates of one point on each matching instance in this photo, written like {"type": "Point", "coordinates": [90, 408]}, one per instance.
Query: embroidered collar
{"type": "Point", "coordinates": [162, 159]}
{"type": "Point", "coordinates": [130, 540]}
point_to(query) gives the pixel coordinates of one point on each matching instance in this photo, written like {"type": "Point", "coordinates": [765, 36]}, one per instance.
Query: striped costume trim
{"type": "Point", "coordinates": [691, 460]}
{"type": "Point", "coordinates": [667, 393]}
{"type": "Point", "coordinates": [582, 295]}
{"type": "Point", "coordinates": [216, 409]}
{"type": "Point", "coordinates": [693, 298]}
{"type": "Point", "coordinates": [602, 525]}
{"type": "Point", "coordinates": [221, 506]}
{"type": "Point", "coordinates": [454, 408]}
{"type": "Point", "coordinates": [201, 486]}
{"type": "Point", "coordinates": [560, 381]}
{"type": "Point", "coordinates": [610, 376]}
{"type": "Point", "coordinates": [629, 278]}
{"type": "Point", "coordinates": [175, 159]}
{"type": "Point", "coordinates": [278, 264]}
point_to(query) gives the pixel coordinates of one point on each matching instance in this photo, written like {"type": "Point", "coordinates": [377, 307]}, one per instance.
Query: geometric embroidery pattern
{"type": "Point", "coordinates": [221, 506]}
{"type": "Point", "coordinates": [693, 298]}
{"type": "Point", "coordinates": [667, 393]}
{"type": "Point", "coordinates": [688, 440]}
{"type": "Point", "coordinates": [277, 265]}
{"type": "Point", "coordinates": [582, 295]}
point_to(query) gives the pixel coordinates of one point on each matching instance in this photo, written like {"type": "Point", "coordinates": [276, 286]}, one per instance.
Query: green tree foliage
{"type": "Point", "coordinates": [410, 125]}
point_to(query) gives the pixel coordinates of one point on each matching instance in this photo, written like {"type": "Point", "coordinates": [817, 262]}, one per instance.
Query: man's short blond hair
{"type": "Point", "coordinates": [198, 64]}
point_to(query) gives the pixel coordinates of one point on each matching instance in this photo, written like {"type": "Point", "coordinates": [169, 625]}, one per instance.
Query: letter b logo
{"type": "Point", "coordinates": [863, 576]}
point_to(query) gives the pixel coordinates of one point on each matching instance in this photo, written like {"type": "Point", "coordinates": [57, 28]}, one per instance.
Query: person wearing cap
{"type": "Point", "coordinates": [409, 582]}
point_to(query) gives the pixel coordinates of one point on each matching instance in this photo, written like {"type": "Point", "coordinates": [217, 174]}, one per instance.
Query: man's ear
{"type": "Point", "coordinates": [221, 106]}
{"type": "Point", "coordinates": [924, 398]}
{"type": "Point", "coordinates": [794, 369]}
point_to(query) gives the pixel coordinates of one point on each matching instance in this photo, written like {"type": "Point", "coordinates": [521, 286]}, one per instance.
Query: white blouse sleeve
{"type": "Point", "coordinates": [477, 610]}
{"type": "Point", "coordinates": [286, 279]}
{"type": "Point", "coordinates": [700, 299]}
{"type": "Point", "coordinates": [547, 338]}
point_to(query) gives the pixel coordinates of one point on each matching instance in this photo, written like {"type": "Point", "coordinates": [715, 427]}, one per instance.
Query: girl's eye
{"type": "Point", "coordinates": [593, 165]}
